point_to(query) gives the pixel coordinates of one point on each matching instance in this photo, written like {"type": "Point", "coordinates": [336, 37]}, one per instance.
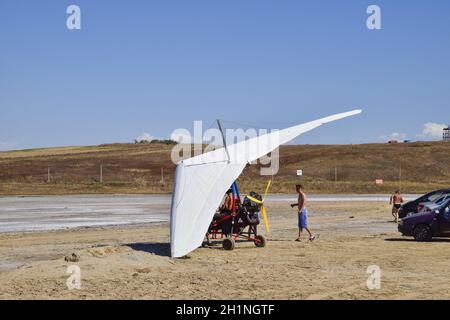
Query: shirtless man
{"type": "Point", "coordinates": [396, 202]}
{"type": "Point", "coordinates": [302, 214]}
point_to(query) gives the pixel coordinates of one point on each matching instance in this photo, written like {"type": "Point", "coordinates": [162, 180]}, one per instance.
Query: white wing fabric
{"type": "Point", "coordinates": [201, 182]}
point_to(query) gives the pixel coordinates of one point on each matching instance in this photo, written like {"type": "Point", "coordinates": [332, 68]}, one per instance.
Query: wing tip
{"type": "Point", "coordinates": [356, 111]}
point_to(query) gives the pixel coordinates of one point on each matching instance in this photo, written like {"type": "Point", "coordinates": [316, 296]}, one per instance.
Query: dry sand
{"type": "Point", "coordinates": [132, 262]}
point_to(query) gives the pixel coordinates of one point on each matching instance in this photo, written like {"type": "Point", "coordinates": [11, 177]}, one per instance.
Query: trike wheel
{"type": "Point", "coordinates": [260, 241]}
{"type": "Point", "coordinates": [228, 244]}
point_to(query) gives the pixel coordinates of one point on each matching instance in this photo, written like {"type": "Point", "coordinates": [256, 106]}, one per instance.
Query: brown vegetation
{"type": "Point", "coordinates": [137, 168]}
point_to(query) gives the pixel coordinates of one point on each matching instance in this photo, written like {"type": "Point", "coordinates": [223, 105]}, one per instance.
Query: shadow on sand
{"type": "Point", "coordinates": [445, 240]}
{"type": "Point", "coordinates": [157, 248]}
{"type": "Point", "coordinates": [163, 249]}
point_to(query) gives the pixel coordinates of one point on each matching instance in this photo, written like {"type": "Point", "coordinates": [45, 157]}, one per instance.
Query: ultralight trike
{"type": "Point", "coordinates": [241, 223]}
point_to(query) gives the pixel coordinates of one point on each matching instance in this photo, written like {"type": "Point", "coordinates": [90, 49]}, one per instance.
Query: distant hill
{"type": "Point", "coordinates": [138, 168]}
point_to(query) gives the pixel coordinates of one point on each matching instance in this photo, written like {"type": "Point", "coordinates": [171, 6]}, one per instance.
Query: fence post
{"type": "Point", "coordinates": [335, 177]}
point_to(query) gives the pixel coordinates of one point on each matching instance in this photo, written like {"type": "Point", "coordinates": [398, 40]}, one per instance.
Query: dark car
{"type": "Point", "coordinates": [413, 206]}
{"type": "Point", "coordinates": [425, 226]}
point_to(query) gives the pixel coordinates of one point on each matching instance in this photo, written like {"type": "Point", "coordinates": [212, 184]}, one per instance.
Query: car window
{"type": "Point", "coordinates": [434, 197]}
{"type": "Point", "coordinates": [444, 199]}
{"type": "Point", "coordinates": [441, 200]}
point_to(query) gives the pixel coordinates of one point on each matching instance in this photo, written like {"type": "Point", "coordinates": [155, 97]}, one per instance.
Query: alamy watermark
{"type": "Point", "coordinates": [74, 280]}
{"type": "Point", "coordinates": [374, 20]}
{"type": "Point", "coordinates": [374, 279]}
{"type": "Point", "coordinates": [73, 21]}
{"type": "Point", "coordinates": [242, 146]}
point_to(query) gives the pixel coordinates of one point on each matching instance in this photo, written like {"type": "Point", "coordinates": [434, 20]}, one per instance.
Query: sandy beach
{"type": "Point", "coordinates": [132, 261]}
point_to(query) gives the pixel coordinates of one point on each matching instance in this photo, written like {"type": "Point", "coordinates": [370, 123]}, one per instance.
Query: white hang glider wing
{"type": "Point", "coordinates": [201, 182]}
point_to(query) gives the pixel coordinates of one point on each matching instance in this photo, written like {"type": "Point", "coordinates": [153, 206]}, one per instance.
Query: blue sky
{"type": "Point", "coordinates": [154, 66]}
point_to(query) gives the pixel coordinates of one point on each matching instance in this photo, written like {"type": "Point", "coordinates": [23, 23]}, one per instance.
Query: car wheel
{"type": "Point", "coordinates": [260, 241]}
{"type": "Point", "coordinates": [422, 233]}
{"type": "Point", "coordinates": [228, 244]}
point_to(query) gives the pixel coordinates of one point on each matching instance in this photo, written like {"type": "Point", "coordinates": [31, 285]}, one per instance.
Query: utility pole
{"type": "Point", "coordinates": [162, 176]}
{"type": "Point", "coordinates": [48, 174]}
{"type": "Point", "coordinates": [101, 173]}
{"type": "Point", "coordinates": [335, 177]}
{"type": "Point", "coordinates": [400, 177]}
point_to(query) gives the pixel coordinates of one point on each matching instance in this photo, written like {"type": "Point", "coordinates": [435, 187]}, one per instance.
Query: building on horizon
{"type": "Point", "coordinates": [446, 134]}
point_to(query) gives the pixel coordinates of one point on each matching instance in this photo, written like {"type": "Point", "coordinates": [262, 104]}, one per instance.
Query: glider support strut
{"type": "Point", "coordinates": [224, 140]}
